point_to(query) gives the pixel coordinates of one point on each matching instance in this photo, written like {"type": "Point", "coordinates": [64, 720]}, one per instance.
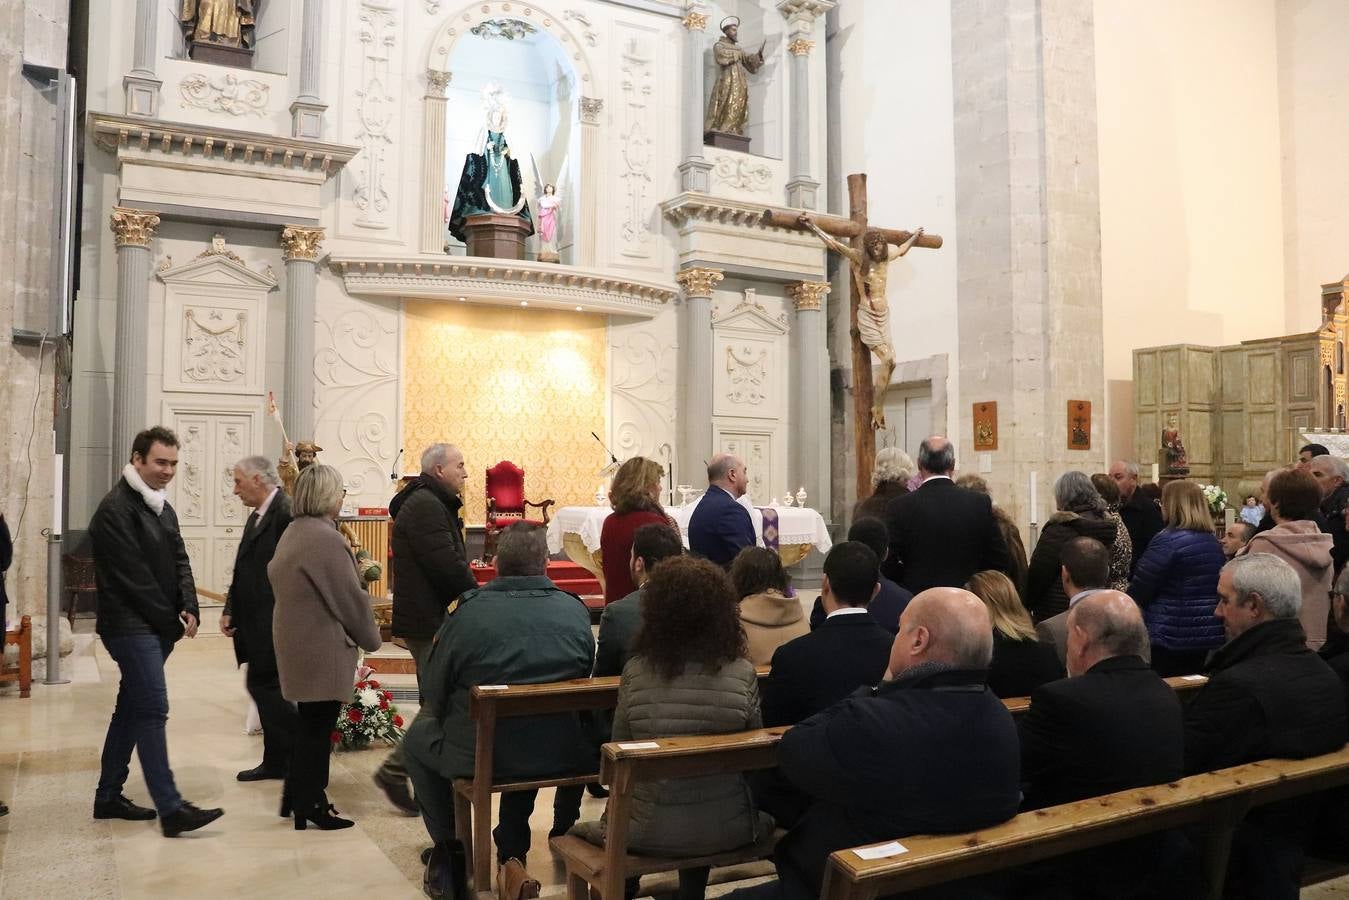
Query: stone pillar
{"type": "Point", "coordinates": [590, 110]}
{"type": "Point", "coordinates": [697, 372]}
{"type": "Point", "coordinates": [1029, 258]}
{"type": "Point", "coordinates": [803, 186]}
{"type": "Point", "coordinates": [433, 162]}
{"type": "Point", "coordinates": [808, 453]}
{"type": "Point", "coordinates": [306, 113]}
{"type": "Point", "coordinates": [300, 250]}
{"type": "Point", "coordinates": [140, 86]}
{"type": "Point", "coordinates": [694, 170]}
{"type": "Point", "coordinates": [132, 229]}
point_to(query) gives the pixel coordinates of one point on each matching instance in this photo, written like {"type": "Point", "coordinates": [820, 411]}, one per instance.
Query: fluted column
{"type": "Point", "coordinates": [698, 285]}
{"type": "Point", "coordinates": [433, 162]}
{"type": "Point", "coordinates": [803, 186]}
{"type": "Point", "coordinates": [808, 451]}
{"type": "Point", "coordinates": [140, 86]}
{"type": "Point", "coordinates": [693, 171]}
{"type": "Point", "coordinates": [306, 113]}
{"type": "Point", "coordinates": [300, 250]}
{"type": "Point", "coordinates": [590, 111]}
{"type": "Point", "coordinates": [132, 229]}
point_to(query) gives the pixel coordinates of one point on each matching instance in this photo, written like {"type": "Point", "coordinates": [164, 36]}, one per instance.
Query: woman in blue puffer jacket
{"type": "Point", "coordinates": [1176, 583]}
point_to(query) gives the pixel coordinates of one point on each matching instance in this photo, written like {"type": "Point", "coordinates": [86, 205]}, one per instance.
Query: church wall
{"type": "Point", "coordinates": [1192, 213]}
{"type": "Point", "coordinates": [1313, 94]}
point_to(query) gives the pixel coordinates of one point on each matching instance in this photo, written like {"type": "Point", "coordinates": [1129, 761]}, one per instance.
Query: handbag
{"type": "Point", "coordinates": [514, 883]}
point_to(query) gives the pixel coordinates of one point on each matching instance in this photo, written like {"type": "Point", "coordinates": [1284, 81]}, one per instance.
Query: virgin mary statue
{"type": "Point", "coordinates": [490, 182]}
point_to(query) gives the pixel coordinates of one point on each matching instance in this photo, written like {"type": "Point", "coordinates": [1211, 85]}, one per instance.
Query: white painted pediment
{"type": "Point", "coordinates": [750, 315]}
{"type": "Point", "coordinates": [219, 268]}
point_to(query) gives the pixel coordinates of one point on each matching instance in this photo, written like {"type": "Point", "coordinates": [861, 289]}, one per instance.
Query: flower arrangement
{"type": "Point", "coordinates": [370, 716]}
{"type": "Point", "coordinates": [1216, 498]}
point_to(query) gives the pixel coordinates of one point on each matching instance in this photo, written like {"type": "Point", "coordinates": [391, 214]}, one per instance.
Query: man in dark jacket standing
{"type": "Point", "coordinates": [1267, 696]}
{"type": "Point", "coordinates": [720, 526]}
{"type": "Point", "coordinates": [248, 612]}
{"type": "Point", "coordinates": [1142, 518]}
{"type": "Point", "coordinates": [940, 534]}
{"type": "Point", "coordinates": [1332, 477]}
{"type": "Point", "coordinates": [147, 600]}
{"type": "Point", "coordinates": [430, 571]}
{"type": "Point", "coordinates": [930, 751]}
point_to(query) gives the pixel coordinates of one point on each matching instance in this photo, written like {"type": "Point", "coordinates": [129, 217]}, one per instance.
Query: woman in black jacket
{"type": "Point", "coordinates": [1081, 513]}
{"type": "Point", "coordinates": [1020, 662]}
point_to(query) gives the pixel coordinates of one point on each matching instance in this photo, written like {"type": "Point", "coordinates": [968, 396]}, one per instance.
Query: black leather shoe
{"type": "Point", "coordinates": [560, 828]}
{"type": "Point", "coordinates": [595, 789]}
{"type": "Point", "coordinates": [325, 818]}
{"type": "Point", "coordinates": [261, 773]}
{"type": "Point", "coordinates": [188, 818]}
{"type": "Point", "coordinates": [396, 789]}
{"type": "Point", "coordinates": [120, 807]}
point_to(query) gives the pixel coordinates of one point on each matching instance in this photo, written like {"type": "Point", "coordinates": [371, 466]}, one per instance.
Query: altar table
{"type": "Point", "coordinates": [575, 531]}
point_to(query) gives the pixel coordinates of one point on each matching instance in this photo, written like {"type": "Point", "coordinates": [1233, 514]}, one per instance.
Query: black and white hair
{"type": "Point", "coordinates": [1270, 577]}
{"type": "Point", "coordinates": [1337, 465]}
{"type": "Point", "coordinates": [936, 456]}
{"type": "Point", "coordinates": [261, 466]}
{"type": "Point", "coordinates": [1117, 635]}
{"type": "Point", "coordinates": [1074, 491]}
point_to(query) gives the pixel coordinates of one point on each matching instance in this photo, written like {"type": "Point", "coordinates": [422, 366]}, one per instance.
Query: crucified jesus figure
{"type": "Point", "coordinates": [870, 268]}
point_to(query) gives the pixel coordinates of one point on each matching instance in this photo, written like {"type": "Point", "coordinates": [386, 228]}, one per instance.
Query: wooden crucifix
{"type": "Point", "coordinates": [869, 255]}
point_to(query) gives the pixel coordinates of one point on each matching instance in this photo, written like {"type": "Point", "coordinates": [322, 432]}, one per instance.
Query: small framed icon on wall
{"type": "Point", "coordinates": [1079, 424]}
{"type": "Point", "coordinates": [985, 426]}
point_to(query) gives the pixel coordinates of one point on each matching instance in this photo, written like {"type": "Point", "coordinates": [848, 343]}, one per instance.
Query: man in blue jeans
{"type": "Point", "coordinates": [147, 600]}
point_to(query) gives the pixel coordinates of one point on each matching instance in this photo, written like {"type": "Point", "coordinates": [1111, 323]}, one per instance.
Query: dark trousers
{"type": "Point", "coordinates": [1168, 663]}
{"type": "Point", "coordinates": [307, 782]}
{"type": "Point", "coordinates": [420, 648]}
{"type": "Point", "coordinates": [138, 721]}
{"type": "Point", "coordinates": [279, 718]}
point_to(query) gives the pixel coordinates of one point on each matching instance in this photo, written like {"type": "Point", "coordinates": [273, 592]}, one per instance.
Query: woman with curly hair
{"type": "Point", "coordinates": [890, 476]}
{"type": "Point", "coordinates": [769, 616]}
{"type": "Point", "coordinates": [688, 675]}
{"type": "Point", "coordinates": [1122, 551]}
{"type": "Point", "coordinates": [635, 498]}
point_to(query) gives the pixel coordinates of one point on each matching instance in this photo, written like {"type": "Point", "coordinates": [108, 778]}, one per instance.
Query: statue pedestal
{"type": "Point", "coordinates": [220, 54]}
{"type": "Point", "coordinates": [549, 256]}
{"type": "Point", "coordinates": [497, 236]}
{"type": "Point", "coordinates": [726, 141]}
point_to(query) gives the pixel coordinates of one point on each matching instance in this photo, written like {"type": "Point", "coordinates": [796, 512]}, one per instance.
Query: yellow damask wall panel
{"type": "Point", "coordinates": [523, 385]}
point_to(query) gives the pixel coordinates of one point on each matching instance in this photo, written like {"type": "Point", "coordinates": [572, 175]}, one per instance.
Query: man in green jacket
{"type": "Point", "coordinates": [517, 629]}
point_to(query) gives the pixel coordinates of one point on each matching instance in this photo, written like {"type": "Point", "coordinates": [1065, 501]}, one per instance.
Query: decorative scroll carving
{"type": "Point", "coordinates": [227, 94]}
{"type": "Point", "coordinates": [807, 295]}
{"type": "Point", "coordinates": [695, 21]}
{"type": "Point", "coordinates": [644, 386]}
{"type": "Point", "coordinates": [132, 227]}
{"type": "Point", "coordinates": [698, 282]}
{"type": "Point", "coordinates": [800, 47]}
{"type": "Point", "coordinates": [232, 447]}
{"type": "Point", "coordinates": [587, 35]}
{"type": "Point", "coordinates": [218, 248]}
{"type": "Point", "coordinates": [213, 351]}
{"type": "Point", "coordinates": [437, 82]}
{"type": "Point", "coordinates": [591, 107]}
{"type": "Point", "coordinates": [757, 452]}
{"type": "Point", "coordinates": [636, 148]}
{"type": "Point", "coordinates": [505, 29]}
{"type": "Point", "coordinates": [300, 242]}
{"type": "Point", "coordinates": [742, 174]}
{"type": "Point", "coordinates": [747, 374]}
{"type": "Point", "coordinates": [191, 502]}
{"type": "Point", "coordinates": [375, 112]}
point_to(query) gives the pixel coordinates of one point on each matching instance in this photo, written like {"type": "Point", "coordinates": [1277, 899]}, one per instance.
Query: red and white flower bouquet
{"type": "Point", "coordinates": [369, 717]}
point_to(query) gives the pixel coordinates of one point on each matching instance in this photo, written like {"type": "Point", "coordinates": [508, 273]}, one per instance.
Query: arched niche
{"type": "Point", "coordinates": [586, 110]}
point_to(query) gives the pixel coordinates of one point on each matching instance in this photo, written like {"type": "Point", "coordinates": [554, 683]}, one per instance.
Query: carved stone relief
{"type": "Point", "coordinates": [232, 445]}
{"type": "Point", "coordinates": [225, 94]}
{"type": "Point", "coordinates": [375, 107]}
{"type": "Point", "coordinates": [587, 34]}
{"type": "Point", "coordinates": [747, 373]}
{"type": "Point", "coordinates": [742, 174]}
{"type": "Point", "coordinates": [213, 344]}
{"type": "Point", "coordinates": [644, 393]}
{"type": "Point", "coordinates": [190, 501]}
{"type": "Point", "coordinates": [636, 147]}
{"type": "Point", "coordinates": [756, 449]}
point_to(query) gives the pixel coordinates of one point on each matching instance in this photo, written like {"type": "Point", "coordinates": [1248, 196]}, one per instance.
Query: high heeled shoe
{"type": "Point", "coordinates": [285, 806]}
{"type": "Point", "coordinates": [323, 818]}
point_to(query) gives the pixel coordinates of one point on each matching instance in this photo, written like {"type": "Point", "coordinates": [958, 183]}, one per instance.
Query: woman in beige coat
{"type": "Point", "coordinates": [322, 615]}
{"type": "Point", "coordinates": [1293, 498]}
{"type": "Point", "coordinates": [770, 618]}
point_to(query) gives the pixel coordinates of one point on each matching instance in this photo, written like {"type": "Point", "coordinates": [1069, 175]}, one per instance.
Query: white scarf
{"type": "Point", "coordinates": [153, 499]}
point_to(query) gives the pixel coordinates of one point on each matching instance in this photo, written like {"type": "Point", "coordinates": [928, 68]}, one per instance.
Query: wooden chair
{"type": "Point", "coordinates": [506, 504]}
{"type": "Point", "coordinates": [1215, 801]}
{"type": "Point", "coordinates": [23, 672]}
{"type": "Point", "coordinates": [77, 577]}
{"type": "Point", "coordinates": [601, 871]}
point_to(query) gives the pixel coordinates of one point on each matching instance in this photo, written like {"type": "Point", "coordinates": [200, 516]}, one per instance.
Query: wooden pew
{"type": "Point", "coordinates": [1216, 801]}
{"type": "Point", "coordinates": [22, 672]}
{"type": "Point", "coordinates": [1184, 685]}
{"type": "Point", "coordinates": [624, 765]}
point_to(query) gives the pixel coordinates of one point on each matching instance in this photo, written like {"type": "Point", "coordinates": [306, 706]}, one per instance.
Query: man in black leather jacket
{"type": "Point", "coordinates": [147, 600]}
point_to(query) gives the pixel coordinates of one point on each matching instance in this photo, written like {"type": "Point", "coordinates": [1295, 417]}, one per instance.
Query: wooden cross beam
{"type": "Point", "coordinates": [855, 229]}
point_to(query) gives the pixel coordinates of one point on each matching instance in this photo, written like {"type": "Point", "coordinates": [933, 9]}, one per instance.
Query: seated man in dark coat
{"type": "Point", "coordinates": [890, 600]}
{"type": "Point", "coordinates": [1084, 569]}
{"type": "Point", "coordinates": [1267, 696]}
{"type": "Point", "coordinates": [517, 629]}
{"type": "Point", "coordinates": [622, 619]}
{"type": "Point", "coordinates": [720, 527]}
{"type": "Point", "coordinates": [930, 751]}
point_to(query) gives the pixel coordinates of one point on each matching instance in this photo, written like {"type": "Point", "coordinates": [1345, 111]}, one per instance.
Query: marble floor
{"type": "Point", "coordinates": [51, 847]}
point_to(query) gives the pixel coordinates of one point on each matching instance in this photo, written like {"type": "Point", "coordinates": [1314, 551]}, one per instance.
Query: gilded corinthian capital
{"type": "Point", "coordinates": [801, 47]}
{"type": "Point", "coordinates": [132, 227]}
{"type": "Point", "coordinates": [699, 282]}
{"type": "Point", "coordinates": [695, 21]}
{"type": "Point", "coordinates": [807, 295]}
{"type": "Point", "coordinates": [300, 242]}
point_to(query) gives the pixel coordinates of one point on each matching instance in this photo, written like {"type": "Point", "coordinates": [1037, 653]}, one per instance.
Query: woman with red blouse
{"type": "Point", "coordinates": [635, 498]}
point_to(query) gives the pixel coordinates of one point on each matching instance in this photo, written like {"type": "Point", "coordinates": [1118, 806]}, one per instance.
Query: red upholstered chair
{"type": "Point", "coordinates": [506, 503]}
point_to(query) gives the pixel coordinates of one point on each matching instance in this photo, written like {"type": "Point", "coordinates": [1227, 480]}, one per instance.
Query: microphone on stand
{"type": "Point", "coordinates": [613, 459]}
{"type": "Point", "coordinates": [393, 469]}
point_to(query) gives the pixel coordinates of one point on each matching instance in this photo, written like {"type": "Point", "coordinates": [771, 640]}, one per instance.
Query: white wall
{"type": "Point", "coordinates": [1313, 93]}
{"type": "Point", "coordinates": [1191, 202]}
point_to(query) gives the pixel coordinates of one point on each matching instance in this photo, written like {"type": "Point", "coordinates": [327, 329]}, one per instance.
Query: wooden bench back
{"type": "Point", "coordinates": [1215, 799]}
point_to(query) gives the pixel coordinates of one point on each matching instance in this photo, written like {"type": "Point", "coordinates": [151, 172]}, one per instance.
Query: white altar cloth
{"type": "Point", "coordinates": [796, 525]}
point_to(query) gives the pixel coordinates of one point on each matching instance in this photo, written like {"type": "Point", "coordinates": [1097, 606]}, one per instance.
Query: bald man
{"type": "Point", "coordinates": [720, 526]}
{"type": "Point", "coordinates": [940, 534]}
{"type": "Point", "coordinates": [929, 751]}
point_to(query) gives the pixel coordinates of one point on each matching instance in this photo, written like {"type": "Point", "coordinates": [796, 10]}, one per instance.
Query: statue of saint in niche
{"type": "Point", "coordinates": [228, 23]}
{"type": "Point", "coordinates": [729, 107]}
{"type": "Point", "coordinates": [490, 182]}
{"type": "Point", "coordinates": [549, 205]}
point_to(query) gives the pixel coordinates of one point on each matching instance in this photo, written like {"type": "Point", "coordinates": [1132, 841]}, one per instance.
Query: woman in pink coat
{"type": "Point", "coordinates": [1293, 499]}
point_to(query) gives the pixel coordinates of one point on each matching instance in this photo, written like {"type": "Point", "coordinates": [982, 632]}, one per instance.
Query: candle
{"type": "Point", "coordinates": [1155, 473]}
{"type": "Point", "coordinates": [1033, 518]}
{"type": "Point", "coordinates": [1229, 516]}
{"type": "Point", "coordinates": [57, 492]}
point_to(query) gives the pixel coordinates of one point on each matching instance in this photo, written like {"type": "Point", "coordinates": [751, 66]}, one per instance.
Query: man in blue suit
{"type": "Point", "coordinates": [720, 527]}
